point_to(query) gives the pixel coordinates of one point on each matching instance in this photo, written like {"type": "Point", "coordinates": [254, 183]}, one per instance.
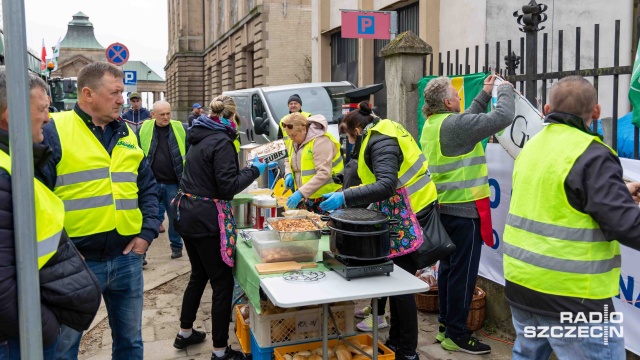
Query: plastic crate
{"type": "Point", "coordinates": [242, 331]}
{"type": "Point", "coordinates": [300, 325]}
{"type": "Point", "coordinates": [260, 353]}
{"type": "Point", "coordinates": [384, 353]}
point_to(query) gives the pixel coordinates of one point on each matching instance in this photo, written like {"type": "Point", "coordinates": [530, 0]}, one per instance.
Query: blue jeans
{"type": "Point", "coordinates": [10, 350]}
{"type": "Point", "coordinates": [574, 347]}
{"type": "Point", "coordinates": [122, 288]}
{"type": "Point", "coordinates": [166, 193]}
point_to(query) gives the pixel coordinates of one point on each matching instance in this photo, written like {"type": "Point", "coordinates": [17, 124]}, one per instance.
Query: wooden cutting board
{"type": "Point", "coordinates": [279, 267]}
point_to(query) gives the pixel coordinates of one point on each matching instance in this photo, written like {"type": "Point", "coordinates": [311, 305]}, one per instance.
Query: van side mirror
{"type": "Point", "coordinates": [68, 86]}
{"type": "Point", "coordinates": [261, 126]}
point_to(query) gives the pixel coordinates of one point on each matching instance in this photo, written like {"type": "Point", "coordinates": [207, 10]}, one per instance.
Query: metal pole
{"type": "Point", "coordinates": [394, 25]}
{"type": "Point", "coordinates": [22, 181]}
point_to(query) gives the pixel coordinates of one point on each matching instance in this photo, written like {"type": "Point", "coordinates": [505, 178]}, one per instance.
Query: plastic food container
{"type": "Point", "coordinates": [264, 201]}
{"type": "Point", "coordinates": [315, 234]}
{"type": "Point", "coordinates": [268, 248]}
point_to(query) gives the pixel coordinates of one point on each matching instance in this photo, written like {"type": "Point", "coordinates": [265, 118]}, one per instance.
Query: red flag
{"type": "Point", "coordinates": [43, 57]}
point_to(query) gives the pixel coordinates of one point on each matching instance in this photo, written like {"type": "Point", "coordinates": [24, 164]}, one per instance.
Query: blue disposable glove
{"type": "Point", "coordinates": [334, 201]}
{"type": "Point", "coordinates": [272, 165]}
{"type": "Point", "coordinates": [258, 164]}
{"type": "Point", "coordinates": [294, 200]}
{"type": "Point", "coordinates": [288, 181]}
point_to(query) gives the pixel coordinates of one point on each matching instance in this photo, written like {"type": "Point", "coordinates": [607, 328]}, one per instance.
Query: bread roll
{"type": "Point", "coordinates": [288, 357]}
{"type": "Point", "coordinates": [341, 346]}
{"type": "Point", "coordinates": [368, 349]}
{"type": "Point", "coordinates": [360, 357]}
{"type": "Point", "coordinates": [304, 353]}
{"type": "Point", "coordinates": [355, 343]}
{"type": "Point", "coordinates": [343, 354]}
{"type": "Point", "coordinates": [299, 357]}
{"type": "Point", "coordinates": [315, 357]}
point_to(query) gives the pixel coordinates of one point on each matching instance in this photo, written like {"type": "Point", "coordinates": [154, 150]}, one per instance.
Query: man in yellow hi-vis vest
{"type": "Point", "coordinates": [69, 292]}
{"type": "Point", "coordinates": [110, 201]}
{"type": "Point", "coordinates": [164, 142]}
{"type": "Point", "coordinates": [451, 143]}
{"type": "Point", "coordinates": [570, 209]}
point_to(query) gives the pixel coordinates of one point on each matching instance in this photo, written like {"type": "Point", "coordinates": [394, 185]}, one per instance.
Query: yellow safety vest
{"type": "Point", "coordinates": [49, 216]}
{"type": "Point", "coordinates": [100, 192]}
{"type": "Point", "coordinates": [146, 134]}
{"type": "Point", "coordinates": [412, 174]}
{"type": "Point", "coordinates": [308, 167]}
{"type": "Point", "coordinates": [458, 179]}
{"type": "Point", "coordinates": [284, 133]}
{"type": "Point", "coordinates": [549, 246]}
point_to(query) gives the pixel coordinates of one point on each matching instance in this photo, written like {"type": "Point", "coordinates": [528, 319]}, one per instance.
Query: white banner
{"type": "Point", "coordinates": [628, 302]}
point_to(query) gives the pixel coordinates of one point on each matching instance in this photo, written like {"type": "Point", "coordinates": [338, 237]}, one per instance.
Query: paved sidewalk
{"type": "Point", "coordinates": [165, 280]}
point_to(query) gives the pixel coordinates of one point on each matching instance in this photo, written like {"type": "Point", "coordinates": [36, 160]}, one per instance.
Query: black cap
{"type": "Point", "coordinates": [295, 97]}
{"type": "Point", "coordinates": [361, 94]}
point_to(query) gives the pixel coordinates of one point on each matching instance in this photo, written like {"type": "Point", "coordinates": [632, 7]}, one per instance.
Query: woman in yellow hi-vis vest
{"type": "Point", "coordinates": [314, 158]}
{"type": "Point", "coordinates": [395, 181]}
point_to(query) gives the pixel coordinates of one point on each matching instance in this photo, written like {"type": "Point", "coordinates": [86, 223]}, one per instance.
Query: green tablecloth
{"type": "Point", "coordinates": [248, 277]}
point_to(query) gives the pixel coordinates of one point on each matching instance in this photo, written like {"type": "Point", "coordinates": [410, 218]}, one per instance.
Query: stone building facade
{"type": "Point", "coordinates": [220, 45]}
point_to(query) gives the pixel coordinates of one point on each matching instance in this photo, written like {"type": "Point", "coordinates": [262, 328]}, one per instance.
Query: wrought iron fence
{"type": "Point", "coordinates": [521, 68]}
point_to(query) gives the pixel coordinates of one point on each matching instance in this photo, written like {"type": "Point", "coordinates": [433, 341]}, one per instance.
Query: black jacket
{"type": "Point", "coordinates": [176, 157]}
{"type": "Point", "coordinates": [388, 157]}
{"type": "Point", "coordinates": [211, 170]}
{"type": "Point", "coordinates": [109, 244]}
{"type": "Point", "coordinates": [192, 116]}
{"type": "Point", "coordinates": [593, 186]}
{"type": "Point", "coordinates": [69, 292]}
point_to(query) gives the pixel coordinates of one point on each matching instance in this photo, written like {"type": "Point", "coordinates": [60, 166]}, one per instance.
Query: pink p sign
{"type": "Point", "coordinates": [366, 24]}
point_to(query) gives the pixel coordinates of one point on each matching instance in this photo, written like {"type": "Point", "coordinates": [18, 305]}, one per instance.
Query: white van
{"type": "Point", "coordinates": [260, 109]}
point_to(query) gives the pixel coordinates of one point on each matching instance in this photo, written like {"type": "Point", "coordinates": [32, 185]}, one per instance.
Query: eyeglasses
{"type": "Point", "coordinates": [288, 126]}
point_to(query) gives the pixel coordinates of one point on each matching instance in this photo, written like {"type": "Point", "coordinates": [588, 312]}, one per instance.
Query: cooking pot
{"type": "Point", "coordinates": [360, 234]}
{"type": "Point", "coordinates": [242, 213]}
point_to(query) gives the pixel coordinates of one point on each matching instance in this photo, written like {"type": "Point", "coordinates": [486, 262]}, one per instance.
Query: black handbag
{"type": "Point", "coordinates": [436, 245]}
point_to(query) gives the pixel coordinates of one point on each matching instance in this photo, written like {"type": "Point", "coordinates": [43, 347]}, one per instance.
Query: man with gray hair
{"type": "Point", "coordinates": [164, 142]}
{"type": "Point", "coordinates": [69, 292]}
{"type": "Point", "coordinates": [101, 174]}
{"type": "Point", "coordinates": [451, 141]}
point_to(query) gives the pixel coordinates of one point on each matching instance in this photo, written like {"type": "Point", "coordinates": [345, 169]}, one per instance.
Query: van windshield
{"type": "Point", "coordinates": [325, 100]}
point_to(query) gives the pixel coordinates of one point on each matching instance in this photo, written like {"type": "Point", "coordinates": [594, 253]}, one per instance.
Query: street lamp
{"type": "Point", "coordinates": [147, 80]}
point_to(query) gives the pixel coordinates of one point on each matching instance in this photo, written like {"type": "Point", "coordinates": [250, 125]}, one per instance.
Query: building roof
{"type": "Point", "coordinates": [80, 34]}
{"type": "Point", "coordinates": [144, 73]}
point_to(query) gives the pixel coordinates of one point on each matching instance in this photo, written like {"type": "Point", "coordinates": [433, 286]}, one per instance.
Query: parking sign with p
{"type": "Point", "coordinates": [366, 24]}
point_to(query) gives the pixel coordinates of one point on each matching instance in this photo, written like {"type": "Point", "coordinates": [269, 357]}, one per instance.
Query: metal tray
{"type": "Point", "coordinates": [296, 235]}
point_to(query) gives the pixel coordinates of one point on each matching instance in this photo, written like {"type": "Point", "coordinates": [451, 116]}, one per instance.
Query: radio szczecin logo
{"type": "Point", "coordinates": [603, 325]}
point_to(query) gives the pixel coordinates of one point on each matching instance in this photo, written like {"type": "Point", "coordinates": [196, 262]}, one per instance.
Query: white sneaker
{"type": "Point", "coordinates": [367, 323]}
{"type": "Point", "coordinates": [363, 313]}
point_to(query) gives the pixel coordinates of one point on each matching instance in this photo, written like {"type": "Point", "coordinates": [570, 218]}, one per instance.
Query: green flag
{"type": "Point", "coordinates": [634, 89]}
{"type": "Point", "coordinates": [469, 86]}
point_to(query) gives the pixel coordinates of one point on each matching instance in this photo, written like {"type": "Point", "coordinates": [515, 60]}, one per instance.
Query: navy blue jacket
{"type": "Point", "coordinates": [136, 116]}
{"type": "Point", "coordinates": [69, 292]}
{"type": "Point", "coordinates": [109, 244]}
{"type": "Point", "coordinates": [176, 157]}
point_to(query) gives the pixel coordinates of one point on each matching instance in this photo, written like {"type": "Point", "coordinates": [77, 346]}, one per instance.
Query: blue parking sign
{"type": "Point", "coordinates": [130, 77]}
{"type": "Point", "coordinates": [366, 24]}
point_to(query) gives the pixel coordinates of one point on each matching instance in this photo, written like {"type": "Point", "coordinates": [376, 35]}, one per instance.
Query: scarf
{"type": "Point", "coordinates": [215, 123]}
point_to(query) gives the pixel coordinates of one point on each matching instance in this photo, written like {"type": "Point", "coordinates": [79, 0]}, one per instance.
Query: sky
{"type": "Point", "coordinates": [141, 25]}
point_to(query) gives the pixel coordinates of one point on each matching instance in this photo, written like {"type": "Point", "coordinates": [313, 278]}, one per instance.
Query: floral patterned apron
{"type": "Point", "coordinates": [226, 223]}
{"type": "Point", "coordinates": [398, 207]}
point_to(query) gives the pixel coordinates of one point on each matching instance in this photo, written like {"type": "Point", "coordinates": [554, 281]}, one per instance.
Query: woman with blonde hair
{"type": "Point", "coordinates": [203, 217]}
{"type": "Point", "coordinates": [314, 158]}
